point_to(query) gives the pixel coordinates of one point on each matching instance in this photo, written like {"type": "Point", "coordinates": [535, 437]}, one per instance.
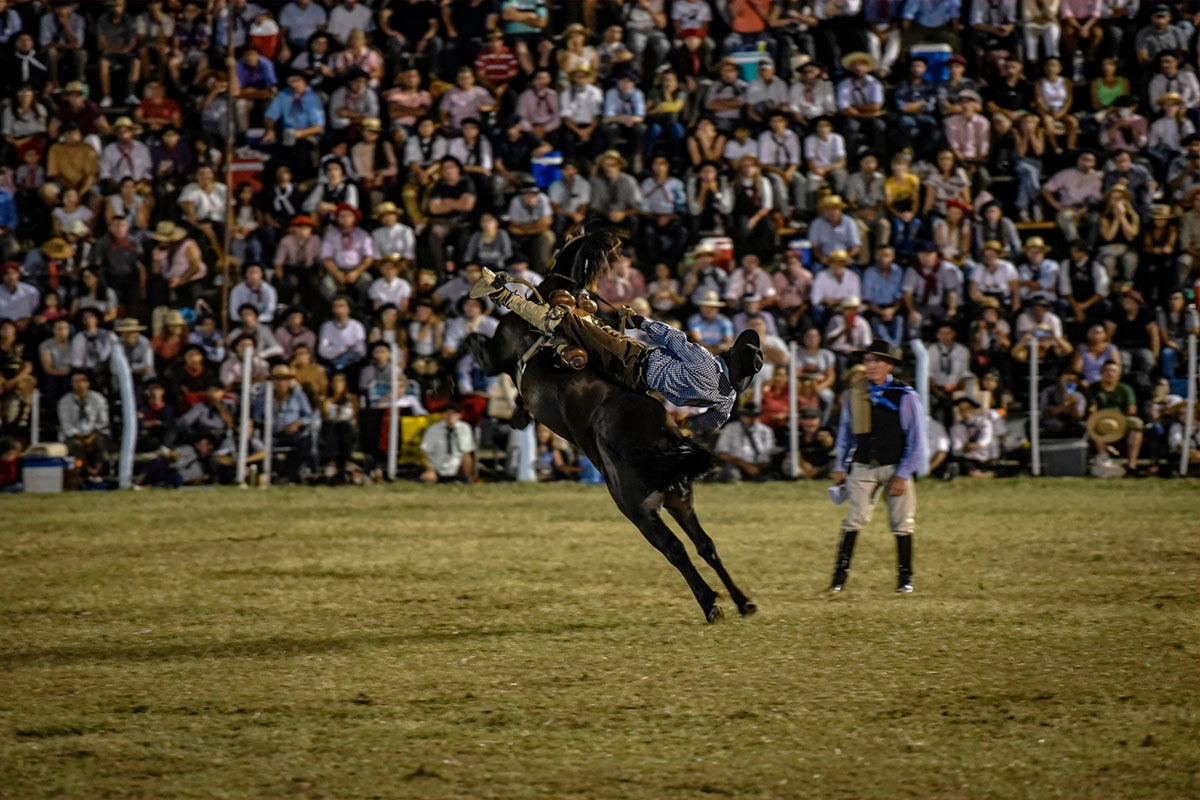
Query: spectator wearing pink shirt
{"type": "Point", "coordinates": [1081, 27]}
{"type": "Point", "coordinates": [968, 133]}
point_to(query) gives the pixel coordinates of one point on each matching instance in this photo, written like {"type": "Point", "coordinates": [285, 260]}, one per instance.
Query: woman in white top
{"type": "Point", "coordinates": [1054, 96]}
{"type": "Point", "coordinates": [70, 211]}
{"type": "Point", "coordinates": [130, 204]}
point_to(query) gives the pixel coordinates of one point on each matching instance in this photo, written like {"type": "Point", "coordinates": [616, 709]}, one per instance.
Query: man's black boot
{"type": "Point", "coordinates": [845, 552]}
{"type": "Point", "coordinates": [904, 584]}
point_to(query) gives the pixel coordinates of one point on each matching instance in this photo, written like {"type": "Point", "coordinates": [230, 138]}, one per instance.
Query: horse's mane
{"type": "Point", "coordinates": [585, 257]}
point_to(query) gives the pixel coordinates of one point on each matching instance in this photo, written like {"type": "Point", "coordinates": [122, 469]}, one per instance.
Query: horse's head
{"type": "Point", "coordinates": [585, 258]}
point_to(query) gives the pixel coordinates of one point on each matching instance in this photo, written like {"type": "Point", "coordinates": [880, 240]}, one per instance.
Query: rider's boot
{"type": "Point", "coordinates": [541, 317]}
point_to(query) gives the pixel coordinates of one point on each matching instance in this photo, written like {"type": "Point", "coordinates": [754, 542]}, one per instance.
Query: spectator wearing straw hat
{"type": "Point", "coordinates": [834, 230]}
{"type": "Point", "coordinates": [708, 326]}
{"type": "Point", "coordinates": [347, 254]}
{"type": "Point", "coordinates": [177, 261]}
{"type": "Point", "coordinates": [833, 285]}
{"type": "Point", "coordinates": [1038, 274]}
{"type": "Point", "coordinates": [393, 236]}
{"type": "Point", "coordinates": [1112, 415]}
{"type": "Point", "coordinates": [291, 421]}
{"type": "Point", "coordinates": [860, 98]}
{"type": "Point", "coordinates": [125, 156]}
{"type": "Point", "coordinates": [1168, 132]}
{"type": "Point", "coordinates": [847, 331]}
{"type": "Point", "coordinates": [615, 193]}
{"type": "Point", "coordinates": [1039, 327]}
{"type": "Point", "coordinates": [726, 97]}
{"type": "Point", "coordinates": [996, 277]}
{"type": "Point", "coordinates": [138, 352]}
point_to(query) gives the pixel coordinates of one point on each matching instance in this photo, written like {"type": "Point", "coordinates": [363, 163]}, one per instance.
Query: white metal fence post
{"type": "Point", "coordinates": [268, 432]}
{"type": "Point", "coordinates": [1190, 406]}
{"type": "Point", "coordinates": [793, 414]}
{"type": "Point", "coordinates": [35, 419]}
{"type": "Point", "coordinates": [244, 429]}
{"type": "Point", "coordinates": [921, 383]}
{"type": "Point", "coordinates": [128, 416]}
{"type": "Point", "coordinates": [393, 449]}
{"type": "Point", "coordinates": [1035, 422]}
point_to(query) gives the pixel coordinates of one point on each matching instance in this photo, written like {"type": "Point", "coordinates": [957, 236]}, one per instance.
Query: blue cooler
{"type": "Point", "coordinates": [747, 62]}
{"type": "Point", "coordinates": [43, 474]}
{"type": "Point", "coordinates": [937, 56]}
{"type": "Point", "coordinates": [547, 169]}
{"type": "Point", "coordinates": [804, 248]}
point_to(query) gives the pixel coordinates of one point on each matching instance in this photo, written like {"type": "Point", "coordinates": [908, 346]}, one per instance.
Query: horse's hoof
{"type": "Point", "coordinates": [715, 614]}
{"type": "Point", "coordinates": [748, 609]}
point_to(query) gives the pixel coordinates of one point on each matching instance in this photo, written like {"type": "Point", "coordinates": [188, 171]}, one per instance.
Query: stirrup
{"type": "Point", "coordinates": [572, 356]}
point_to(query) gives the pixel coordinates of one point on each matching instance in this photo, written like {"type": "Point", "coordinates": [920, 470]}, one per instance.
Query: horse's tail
{"type": "Point", "coordinates": [676, 460]}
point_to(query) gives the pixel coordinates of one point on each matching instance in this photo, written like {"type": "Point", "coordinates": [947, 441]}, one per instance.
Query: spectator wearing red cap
{"type": "Point", "coordinates": [347, 254]}
{"type": "Point", "coordinates": [297, 260]}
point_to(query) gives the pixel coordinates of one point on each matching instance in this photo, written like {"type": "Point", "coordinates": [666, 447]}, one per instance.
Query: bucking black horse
{"type": "Point", "coordinates": [647, 464]}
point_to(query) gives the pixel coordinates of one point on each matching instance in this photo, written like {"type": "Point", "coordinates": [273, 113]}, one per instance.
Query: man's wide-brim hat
{"type": "Point", "coordinates": [282, 371]}
{"type": "Point", "coordinates": [1107, 425]}
{"type": "Point", "coordinates": [167, 231]}
{"type": "Point", "coordinates": [879, 349]}
{"type": "Point", "coordinates": [57, 248]}
{"type": "Point", "coordinates": [128, 325]}
{"type": "Point", "coordinates": [710, 298]}
{"type": "Point", "coordinates": [744, 359]}
{"type": "Point", "coordinates": [850, 59]}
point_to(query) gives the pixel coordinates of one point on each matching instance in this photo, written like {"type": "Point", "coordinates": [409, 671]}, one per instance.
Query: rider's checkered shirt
{"type": "Point", "coordinates": [688, 375]}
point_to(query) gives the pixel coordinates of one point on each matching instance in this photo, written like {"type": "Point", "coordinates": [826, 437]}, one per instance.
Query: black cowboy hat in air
{"type": "Point", "coordinates": [744, 359]}
{"type": "Point", "coordinates": [880, 349]}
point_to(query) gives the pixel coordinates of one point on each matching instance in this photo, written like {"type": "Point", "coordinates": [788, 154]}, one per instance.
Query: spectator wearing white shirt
{"type": "Point", "coordinates": [342, 342]}
{"type": "Point", "coordinates": [949, 367]}
{"type": "Point", "coordinates": [811, 97]}
{"type": "Point", "coordinates": [255, 291]}
{"type": "Point", "coordinates": [349, 16]}
{"type": "Point", "coordinates": [531, 220]}
{"type": "Point", "coordinates": [972, 439]}
{"type": "Point", "coordinates": [826, 154]}
{"type": "Point", "coordinates": [203, 201]}
{"type": "Point", "coordinates": [780, 155]}
{"type": "Point", "coordinates": [570, 197]}
{"type": "Point", "coordinates": [848, 331]}
{"type": "Point", "coordinates": [83, 420]}
{"type": "Point", "coordinates": [447, 449]}
{"type": "Point", "coordinates": [581, 105]}
{"type": "Point", "coordinates": [298, 21]}
{"type": "Point", "coordinates": [18, 300]}
{"type": "Point", "coordinates": [750, 278]}
{"type": "Point", "coordinates": [393, 237]}
{"type": "Point", "coordinates": [995, 277]}
{"type": "Point", "coordinates": [347, 254]}
{"type": "Point", "coordinates": [1171, 78]}
{"type": "Point", "coordinates": [390, 288]}
{"type": "Point", "coordinates": [741, 145]}
{"type": "Point", "coordinates": [832, 286]}
{"type": "Point", "coordinates": [745, 447]}
{"type": "Point", "coordinates": [766, 93]}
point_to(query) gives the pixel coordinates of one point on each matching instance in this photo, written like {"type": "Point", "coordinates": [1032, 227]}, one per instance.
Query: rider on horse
{"type": "Point", "coordinates": [684, 372]}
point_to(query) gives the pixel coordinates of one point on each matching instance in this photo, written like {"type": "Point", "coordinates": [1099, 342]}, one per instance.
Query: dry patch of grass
{"type": "Point", "coordinates": [517, 642]}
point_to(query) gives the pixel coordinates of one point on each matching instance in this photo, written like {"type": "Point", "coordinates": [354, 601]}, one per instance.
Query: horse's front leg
{"type": "Point", "coordinates": [679, 503]}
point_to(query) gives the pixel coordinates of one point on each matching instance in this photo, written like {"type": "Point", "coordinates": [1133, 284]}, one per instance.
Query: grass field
{"type": "Point", "coordinates": [520, 642]}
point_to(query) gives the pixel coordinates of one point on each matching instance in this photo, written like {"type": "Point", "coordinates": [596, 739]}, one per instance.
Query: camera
{"type": "Point", "coordinates": [1041, 333]}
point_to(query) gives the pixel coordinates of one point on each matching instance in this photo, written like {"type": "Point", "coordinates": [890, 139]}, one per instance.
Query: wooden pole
{"type": "Point", "coordinates": [231, 64]}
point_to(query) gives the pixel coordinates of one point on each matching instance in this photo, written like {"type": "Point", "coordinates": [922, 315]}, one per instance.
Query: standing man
{"type": "Point", "coordinates": [881, 432]}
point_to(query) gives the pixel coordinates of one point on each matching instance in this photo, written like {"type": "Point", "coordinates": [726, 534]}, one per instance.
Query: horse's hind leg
{"type": "Point", "coordinates": [645, 515]}
{"type": "Point", "coordinates": [679, 503]}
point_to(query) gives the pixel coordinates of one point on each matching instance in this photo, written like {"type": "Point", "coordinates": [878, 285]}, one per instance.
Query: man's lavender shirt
{"type": "Point", "coordinates": [912, 420]}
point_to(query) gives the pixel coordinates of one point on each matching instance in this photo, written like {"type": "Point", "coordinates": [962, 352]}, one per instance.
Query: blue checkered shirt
{"type": "Point", "coordinates": [688, 375]}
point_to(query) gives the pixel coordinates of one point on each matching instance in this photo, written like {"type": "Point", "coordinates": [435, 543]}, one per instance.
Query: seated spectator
{"type": "Point", "coordinates": [388, 327]}
{"type": "Point", "coordinates": [816, 363]}
{"type": "Point", "coordinates": [815, 456]}
{"type": "Point", "coordinates": [860, 98]}
{"type": "Point", "coordinates": [343, 340]}
{"type": "Point", "coordinates": [92, 346]}
{"type": "Point", "coordinates": [18, 300]}
{"type": "Point", "coordinates": [465, 100]}
{"type": "Point", "coordinates": [745, 448]}
{"type": "Point", "coordinates": [1038, 274]}
{"type": "Point", "coordinates": [621, 285]}
{"type": "Point", "coordinates": [848, 331]}
{"type": "Point", "coordinates": [451, 206]}
{"type": "Point", "coordinates": [664, 206]}
{"type": "Point", "coordinates": [1054, 96]}
{"type": "Point", "coordinates": [1112, 393]}
{"type": "Point", "coordinates": [17, 381]}
{"type": "Point", "coordinates": [832, 286]}
{"type": "Point", "coordinates": [177, 265]}
{"type": "Point", "coordinates": [991, 338]}
{"type": "Point", "coordinates": [514, 154]}
{"type": "Point", "coordinates": [866, 194]}
{"type": "Point", "coordinates": [256, 292]}
{"type": "Point", "coordinates": [347, 254]}
{"type": "Point", "coordinates": [393, 237]}
{"type": "Point", "coordinates": [490, 246]}
{"type": "Point", "coordinates": [949, 371]}
{"type": "Point", "coordinates": [664, 293]}
{"type": "Point", "coordinates": [708, 326]}
{"type": "Point", "coordinates": [582, 106]}
{"type": "Point", "coordinates": [993, 226]}
{"type": "Point", "coordinates": [792, 286]}
{"type": "Point", "coordinates": [188, 378]}
{"type": "Point", "coordinates": [972, 439]}
{"type": "Point", "coordinates": [1074, 193]}
{"type": "Point", "coordinates": [709, 200]}
{"type": "Point", "coordinates": [339, 429]}
{"type": "Point", "coordinates": [570, 197]}
{"type": "Point", "coordinates": [834, 230]}
{"type": "Point", "coordinates": [156, 420]}
{"type": "Point", "coordinates": [932, 287]}
{"type": "Point", "coordinates": [538, 107]}
{"type": "Point", "coordinates": [1083, 286]}
{"type": "Point", "coordinates": [706, 143]}
{"type": "Point", "coordinates": [916, 100]}
{"type": "Point", "coordinates": [448, 450]}
{"type": "Point", "coordinates": [206, 335]}
{"type": "Point", "coordinates": [1038, 326]}
{"type": "Point", "coordinates": [615, 195]}
{"type": "Point", "coordinates": [139, 355]}
{"type": "Point", "coordinates": [704, 278]}
{"type": "Point", "coordinates": [726, 97]}
{"type": "Point", "coordinates": [495, 64]}
{"type": "Point", "coordinates": [1132, 328]}
{"type": "Point", "coordinates": [232, 373]}
{"type": "Point", "coordinates": [531, 219]}
{"type": "Point", "coordinates": [310, 375]}
{"type": "Point", "coordinates": [1062, 407]}
{"type": "Point", "coordinates": [84, 426]}
{"type": "Point", "coordinates": [996, 278]}
{"type": "Point", "coordinates": [390, 288]}
{"type": "Point", "coordinates": [328, 195]}
{"type": "Point", "coordinates": [54, 361]}
{"type": "Point", "coordinates": [826, 154]}
{"type": "Point", "coordinates": [265, 344]}
{"type": "Point", "coordinates": [294, 332]}
{"type": "Point", "coordinates": [1176, 322]}
{"type": "Point", "coordinates": [256, 85]}
{"type": "Point", "coordinates": [291, 422]}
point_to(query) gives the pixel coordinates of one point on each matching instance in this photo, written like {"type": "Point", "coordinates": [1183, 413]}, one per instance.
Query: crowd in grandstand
{"type": "Point", "coordinates": [1004, 180]}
